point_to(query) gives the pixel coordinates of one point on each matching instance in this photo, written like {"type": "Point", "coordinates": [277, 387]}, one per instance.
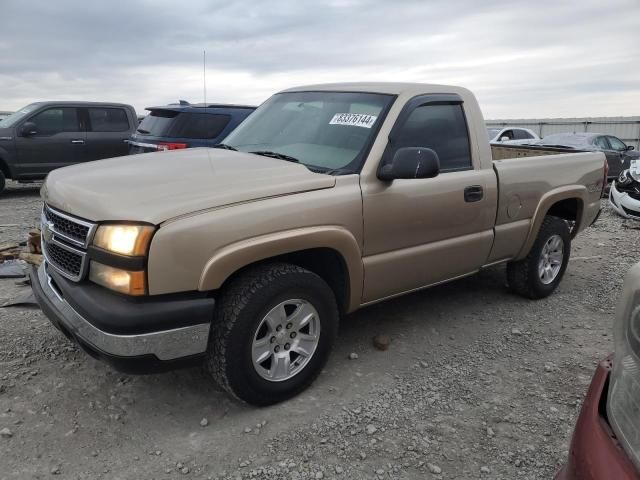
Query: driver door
{"type": "Point", "coordinates": [620, 148]}
{"type": "Point", "coordinates": [422, 231]}
{"type": "Point", "coordinates": [58, 141]}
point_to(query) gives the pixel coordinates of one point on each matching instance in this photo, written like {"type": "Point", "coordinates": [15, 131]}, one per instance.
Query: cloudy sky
{"type": "Point", "coordinates": [533, 58]}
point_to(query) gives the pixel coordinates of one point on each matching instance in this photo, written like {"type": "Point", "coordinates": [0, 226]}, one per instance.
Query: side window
{"type": "Point", "coordinates": [108, 119]}
{"type": "Point", "coordinates": [200, 126]}
{"type": "Point", "coordinates": [441, 127]}
{"type": "Point", "coordinates": [56, 120]}
{"type": "Point", "coordinates": [519, 134]}
{"type": "Point", "coordinates": [617, 144]}
{"type": "Point", "coordinates": [601, 143]}
{"type": "Point", "coordinates": [508, 134]}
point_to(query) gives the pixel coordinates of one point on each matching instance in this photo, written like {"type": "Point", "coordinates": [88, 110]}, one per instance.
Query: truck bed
{"type": "Point", "coordinates": [526, 175]}
{"type": "Point", "coordinates": [501, 152]}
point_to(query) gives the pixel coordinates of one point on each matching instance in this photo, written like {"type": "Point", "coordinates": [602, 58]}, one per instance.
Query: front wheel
{"type": "Point", "coordinates": [539, 273]}
{"type": "Point", "coordinates": [272, 333]}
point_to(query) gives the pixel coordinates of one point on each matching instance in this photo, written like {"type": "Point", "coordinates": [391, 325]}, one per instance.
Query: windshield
{"type": "Point", "coordinates": [15, 117]}
{"type": "Point", "coordinates": [492, 132]}
{"type": "Point", "coordinates": [322, 130]}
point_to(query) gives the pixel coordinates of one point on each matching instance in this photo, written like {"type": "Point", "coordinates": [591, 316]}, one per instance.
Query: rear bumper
{"type": "Point", "coordinates": [595, 453]}
{"type": "Point", "coordinates": [140, 352]}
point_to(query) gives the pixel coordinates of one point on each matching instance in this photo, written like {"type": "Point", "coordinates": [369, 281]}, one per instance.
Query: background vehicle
{"type": "Point", "coordinates": [184, 125]}
{"type": "Point", "coordinates": [605, 442]}
{"type": "Point", "coordinates": [326, 199]}
{"type": "Point", "coordinates": [512, 135]}
{"type": "Point", "coordinates": [624, 195]}
{"type": "Point", "coordinates": [44, 136]}
{"type": "Point", "coordinates": [4, 114]}
{"type": "Point", "coordinates": [619, 155]}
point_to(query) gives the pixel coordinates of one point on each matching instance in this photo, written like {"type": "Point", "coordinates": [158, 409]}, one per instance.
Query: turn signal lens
{"type": "Point", "coordinates": [130, 240]}
{"type": "Point", "coordinates": [123, 281]}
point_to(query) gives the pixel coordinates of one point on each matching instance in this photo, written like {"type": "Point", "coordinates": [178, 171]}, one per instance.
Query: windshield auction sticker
{"type": "Point", "coordinates": [353, 119]}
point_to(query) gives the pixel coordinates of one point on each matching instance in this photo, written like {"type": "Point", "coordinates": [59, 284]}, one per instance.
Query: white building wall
{"type": "Point", "coordinates": [626, 129]}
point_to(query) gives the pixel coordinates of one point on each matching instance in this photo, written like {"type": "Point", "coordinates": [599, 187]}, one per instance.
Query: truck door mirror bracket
{"type": "Point", "coordinates": [411, 162]}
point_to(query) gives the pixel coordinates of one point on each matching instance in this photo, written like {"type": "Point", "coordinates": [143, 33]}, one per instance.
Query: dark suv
{"type": "Point", "coordinates": [46, 135]}
{"type": "Point", "coordinates": [185, 125]}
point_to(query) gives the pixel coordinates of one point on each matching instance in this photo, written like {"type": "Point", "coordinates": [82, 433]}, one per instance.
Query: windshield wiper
{"type": "Point", "coordinates": [142, 130]}
{"type": "Point", "coordinates": [280, 156]}
{"type": "Point", "coordinates": [224, 146]}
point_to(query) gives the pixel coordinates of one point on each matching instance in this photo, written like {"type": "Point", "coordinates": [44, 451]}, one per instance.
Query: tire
{"type": "Point", "coordinates": [2, 181]}
{"type": "Point", "coordinates": [242, 323]}
{"type": "Point", "coordinates": [525, 276]}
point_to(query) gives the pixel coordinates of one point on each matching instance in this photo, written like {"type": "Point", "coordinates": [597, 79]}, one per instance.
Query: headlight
{"type": "Point", "coordinates": [123, 281]}
{"type": "Point", "coordinates": [132, 240]}
{"type": "Point", "coordinates": [623, 403]}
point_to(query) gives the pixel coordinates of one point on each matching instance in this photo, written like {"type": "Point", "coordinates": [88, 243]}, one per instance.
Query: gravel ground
{"type": "Point", "coordinates": [477, 383]}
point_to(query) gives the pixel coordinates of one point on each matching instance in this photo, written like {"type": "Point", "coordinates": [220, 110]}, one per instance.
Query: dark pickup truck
{"type": "Point", "coordinates": [47, 135]}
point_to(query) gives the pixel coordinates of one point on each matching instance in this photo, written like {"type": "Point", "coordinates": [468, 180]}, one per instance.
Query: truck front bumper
{"type": "Point", "coordinates": [135, 335]}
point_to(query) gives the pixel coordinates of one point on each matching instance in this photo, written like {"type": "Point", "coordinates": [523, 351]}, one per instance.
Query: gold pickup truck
{"type": "Point", "coordinates": [326, 199]}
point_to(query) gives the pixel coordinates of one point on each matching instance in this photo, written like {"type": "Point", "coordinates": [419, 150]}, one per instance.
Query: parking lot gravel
{"type": "Point", "coordinates": [475, 383]}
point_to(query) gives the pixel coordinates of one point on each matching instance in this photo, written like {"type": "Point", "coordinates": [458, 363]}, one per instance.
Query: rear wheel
{"type": "Point", "coordinates": [272, 333]}
{"type": "Point", "coordinates": [539, 273]}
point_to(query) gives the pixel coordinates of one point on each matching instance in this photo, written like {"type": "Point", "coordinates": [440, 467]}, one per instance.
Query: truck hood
{"type": "Point", "coordinates": [155, 187]}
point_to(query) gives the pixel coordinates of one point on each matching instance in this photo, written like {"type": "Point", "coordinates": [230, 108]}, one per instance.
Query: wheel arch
{"type": "Point", "coordinates": [566, 203]}
{"type": "Point", "coordinates": [4, 168]}
{"type": "Point", "coordinates": [330, 252]}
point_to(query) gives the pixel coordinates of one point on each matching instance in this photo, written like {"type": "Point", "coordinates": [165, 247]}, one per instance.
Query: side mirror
{"type": "Point", "coordinates": [28, 129]}
{"type": "Point", "coordinates": [630, 147]}
{"type": "Point", "coordinates": [504, 139]}
{"type": "Point", "coordinates": [411, 162]}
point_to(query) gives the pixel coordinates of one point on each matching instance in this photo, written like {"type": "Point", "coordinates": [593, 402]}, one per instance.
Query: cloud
{"type": "Point", "coordinates": [522, 59]}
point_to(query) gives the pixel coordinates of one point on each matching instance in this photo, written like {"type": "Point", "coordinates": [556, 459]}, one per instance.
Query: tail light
{"type": "Point", "coordinates": [623, 403]}
{"type": "Point", "coordinates": [171, 146]}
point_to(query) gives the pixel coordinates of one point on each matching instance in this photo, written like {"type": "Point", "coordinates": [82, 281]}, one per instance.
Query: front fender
{"type": "Point", "coordinates": [235, 256]}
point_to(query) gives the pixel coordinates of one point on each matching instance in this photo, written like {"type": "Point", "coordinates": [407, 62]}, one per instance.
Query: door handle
{"type": "Point", "coordinates": [473, 193]}
{"type": "Point", "coordinates": [77, 141]}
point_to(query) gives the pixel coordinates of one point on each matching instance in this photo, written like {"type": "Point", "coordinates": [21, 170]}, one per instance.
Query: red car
{"type": "Point", "coordinates": [606, 440]}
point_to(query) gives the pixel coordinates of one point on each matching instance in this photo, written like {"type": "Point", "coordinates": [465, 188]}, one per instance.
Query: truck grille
{"type": "Point", "coordinates": [67, 227]}
{"type": "Point", "coordinates": [64, 260]}
{"type": "Point", "coordinates": [64, 242]}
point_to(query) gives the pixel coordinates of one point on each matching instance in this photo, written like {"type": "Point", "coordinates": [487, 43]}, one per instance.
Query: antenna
{"type": "Point", "coordinates": [204, 75]}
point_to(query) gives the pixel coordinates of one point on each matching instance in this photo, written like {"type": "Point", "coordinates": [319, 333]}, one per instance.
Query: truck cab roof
{"type": "Point", "coordinates": [390, 88]}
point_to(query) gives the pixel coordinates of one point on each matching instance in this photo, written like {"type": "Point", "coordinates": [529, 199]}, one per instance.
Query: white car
{"type": "Point", "coordinates": [624, 195]}
{"type": "Point", "coordinates": [511, 135]}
